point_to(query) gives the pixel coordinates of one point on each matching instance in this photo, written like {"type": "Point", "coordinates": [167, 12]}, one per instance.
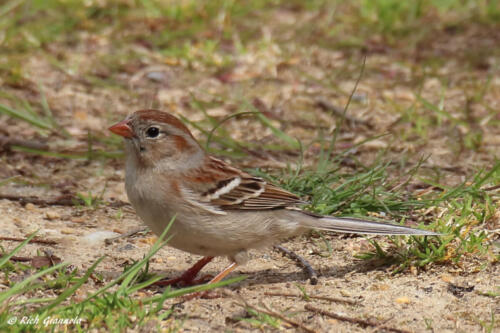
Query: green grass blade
{"type": "Point", "coordinates": [212, 131]}
{"type": "Point", "coordinates": [26, 117]}
{"type": "Point", "coordinates": [130, 274]}
{"type": "Point", "coordinates": [69, 291]}
{"type": "Point", "coordinates": [292, 142]}
{"type": "Point", "coordinates": [9, 6]}
{"type": "Point", "coordinates": [6, 258]}
{"type": "Point", "coordinates": [144, 284]}
{"type": "Point", "coordinates": [20, 286]}
{"type": "Point", "coordinates": [204, 287]}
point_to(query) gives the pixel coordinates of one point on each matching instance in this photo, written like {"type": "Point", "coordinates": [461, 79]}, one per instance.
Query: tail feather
{"type": "Point", "coordinates": [355, 226]}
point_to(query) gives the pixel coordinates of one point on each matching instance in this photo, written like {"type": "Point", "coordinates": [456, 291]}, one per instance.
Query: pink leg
{"type": "Point", "coordinates": [224, 273]}
{"type": "Point", "coordinates": [188, 278]}
{"type": "Point", "coordinates": [217, 278]}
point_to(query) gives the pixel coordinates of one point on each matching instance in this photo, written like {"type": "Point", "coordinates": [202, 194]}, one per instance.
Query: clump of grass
{"type": "Point", "coordinates": [371, 189]}
{"type": "Point", "coordinates": [28, 115]}
{"type": "Point", "coordinates": [171, 25]}
{"type": "Point", "coordinates": [90, 200]}
{"type": "Point", "coordinates": [395, 19]}
{"type": "Point", "coordinates": [115, 306]}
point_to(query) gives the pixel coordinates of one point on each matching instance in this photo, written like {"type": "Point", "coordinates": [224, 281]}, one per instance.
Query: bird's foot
{"type": "Point", "coordinates": [188, 278]}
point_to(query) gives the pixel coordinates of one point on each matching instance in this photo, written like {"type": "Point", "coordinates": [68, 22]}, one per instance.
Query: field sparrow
{"type": "Point", "coordinates": [219, 210]}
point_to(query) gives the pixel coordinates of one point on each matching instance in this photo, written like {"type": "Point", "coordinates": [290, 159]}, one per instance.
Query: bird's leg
{"type": "Point", "coordinates": [217, 278]}
{"type": "Point", "coordinates": [224, 273]}
{"type": "Point", "coordinates": [188, 278]}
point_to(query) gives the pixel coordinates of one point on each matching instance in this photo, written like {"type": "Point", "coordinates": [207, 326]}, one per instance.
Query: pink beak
{"type": "Point", "coordinates": [123, 129]}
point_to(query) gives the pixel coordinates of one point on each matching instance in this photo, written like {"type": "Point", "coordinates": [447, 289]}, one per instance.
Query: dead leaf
{"type": "Point", "coordinates": [41, 261]}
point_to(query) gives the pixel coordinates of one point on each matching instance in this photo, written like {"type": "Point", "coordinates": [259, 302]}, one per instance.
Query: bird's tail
{"type": "Point", "coordinates": [355, 226]}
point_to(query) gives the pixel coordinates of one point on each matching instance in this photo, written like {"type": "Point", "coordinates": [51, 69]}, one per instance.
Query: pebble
{"type": "Point", "coordinates": [127, 247]}
{"type": "Point", "coordinates": [403, 300]}
{"type": "Point", "coordinates": [52, 215]}
{"type": "Point", "coordinates": [345, 293]}
{"type": "Point", "coordinates": [67, 231]}
{"type": "Point", "coordinates": [156, 76]}
{"type": "Point", "coordinates": [29, 206]}
{"type": "Point", "coordinates": [375, 144]}
{"type": "Point", "coordinates": [148, 240]}
{"type": "Point", "coordinates": [171, 61]}
{"type": "Point", "coordinates": [18, 222]}
{"type": "Point", "coordinates": [141, 294]}
{"type": "Point", "coordinates": [359, 97]}
{"type": "Point", "coordinates": [99, 236]}
{"type": "Point", "coordinates": [380, 287]}
{"type": "Point", "coordinates": [447, 278]}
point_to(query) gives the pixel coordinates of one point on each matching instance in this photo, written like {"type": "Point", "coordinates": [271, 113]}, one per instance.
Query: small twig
{"type": "Point", "coordinates": [59, 201]}
{"type": "Point", "coordinates": [34, 240]}
{"type": "Point", "coordinates": [362, 322]}
{"type": "Point", "coordinates": [491, 188]}
{"type": "Point", "coordinates": [110, 241]}
{"type": "Point", "coordinates": [311, 273]}
{"type": "Point", "coordinates": [64, 200]}
{"type": "Point", "coordinates": [39, 261]}
{"type": "Point", "coordinates": [339, 112]}
{"type": "Point", "coordinates": [269, 312]}
{"type": "Point", "coordinates": [7, 142]}
{"type": "Point", "coordinates": [20, 259]}
{"type": "Point", "coordinates": [324, 298]}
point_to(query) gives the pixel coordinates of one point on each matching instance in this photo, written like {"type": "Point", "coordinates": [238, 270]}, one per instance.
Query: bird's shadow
{"type": "Point", "coordinates": [275, 275]}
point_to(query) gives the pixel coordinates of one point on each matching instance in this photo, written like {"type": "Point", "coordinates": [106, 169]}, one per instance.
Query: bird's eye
{"type": "Point", "coordinates": [152, 132]}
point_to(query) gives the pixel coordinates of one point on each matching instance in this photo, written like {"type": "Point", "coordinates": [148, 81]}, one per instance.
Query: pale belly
{"type": "Point", "coordinates": [217, 235]}
{"type": "Point", "coordinates": [197, 231]}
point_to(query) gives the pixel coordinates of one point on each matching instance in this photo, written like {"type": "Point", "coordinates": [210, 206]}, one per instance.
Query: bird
{"type": "Point", "coordinates": [217, 209]}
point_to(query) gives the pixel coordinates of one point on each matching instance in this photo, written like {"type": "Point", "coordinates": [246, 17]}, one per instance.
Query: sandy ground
{"type": "Point", "coordinates": [415, 300]}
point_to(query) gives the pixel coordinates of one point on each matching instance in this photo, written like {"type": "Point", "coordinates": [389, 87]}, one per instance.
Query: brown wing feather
{"type": "Point", "coordinates": [270, 197]}
{"type": "Point", "coordinates": [231, 188]}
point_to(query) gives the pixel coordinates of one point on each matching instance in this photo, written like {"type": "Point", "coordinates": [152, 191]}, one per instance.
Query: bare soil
{"type": "Point", "coordinates": [409, 300]}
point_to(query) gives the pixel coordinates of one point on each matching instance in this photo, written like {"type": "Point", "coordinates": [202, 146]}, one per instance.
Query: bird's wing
{"type": "Point", "coordinates": [227, 188]}
{"type": "Point", "coordinates": [220, 188]}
